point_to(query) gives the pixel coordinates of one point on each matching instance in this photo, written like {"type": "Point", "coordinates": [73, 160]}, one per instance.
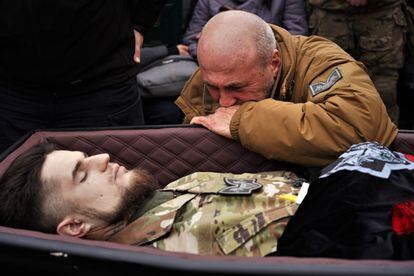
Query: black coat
{"type": "Point", "coordinates": [63, 43]}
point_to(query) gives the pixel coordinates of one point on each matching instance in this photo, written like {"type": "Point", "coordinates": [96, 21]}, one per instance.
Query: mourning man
{"type": "Point", "coordinates": [290, 98]}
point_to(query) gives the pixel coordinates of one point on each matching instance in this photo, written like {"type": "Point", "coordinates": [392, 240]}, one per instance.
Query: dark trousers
{"type": "Point", "coordinates": [117, 105]}
{"type": "Point", "coordinates": [162, 111]}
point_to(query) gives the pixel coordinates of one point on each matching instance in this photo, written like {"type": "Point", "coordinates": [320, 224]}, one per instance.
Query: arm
{"type": "Point", "coordinates": [198, 20]}
{"type": "Point", "coordinates": [144, 15]}
{"type": "Point", "coordinates": [294, 17]}
{"type": "Point", "coordinates": [314, 133]}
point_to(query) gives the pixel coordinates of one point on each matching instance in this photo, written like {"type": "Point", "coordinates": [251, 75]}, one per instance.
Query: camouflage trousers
{"type": "Point", "coordinates": [377, 39]}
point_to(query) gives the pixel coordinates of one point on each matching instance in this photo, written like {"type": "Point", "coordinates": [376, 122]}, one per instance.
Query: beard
{"type": "Point", "coordinates": [142, 186]}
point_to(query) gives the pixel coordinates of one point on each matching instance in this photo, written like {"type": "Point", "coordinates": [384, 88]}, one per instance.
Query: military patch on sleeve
{"type": "Point", "coordinates": [319, 87]}
{"type": "Point", "coordinates": [240, 186]}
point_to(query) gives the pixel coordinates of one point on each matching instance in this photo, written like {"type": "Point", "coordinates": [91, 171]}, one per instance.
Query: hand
{"type": "Point", "coordinates": [183, 50]}
{"type": "Point", "coordinates": [357, 3]}
{"type": "Point", "coordinates": [139, 40]}
{"type": "Point", "coordinates": [218, 122]}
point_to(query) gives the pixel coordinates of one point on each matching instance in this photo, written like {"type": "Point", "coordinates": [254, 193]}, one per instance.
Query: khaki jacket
{"type": "Point", "coordinates": [218, 214]}
{"type": "Point", "coordinates": [324, 102]}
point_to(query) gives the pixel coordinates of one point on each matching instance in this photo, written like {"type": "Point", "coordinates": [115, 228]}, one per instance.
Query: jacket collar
{"type": "Point", "coordinates": [284, 85]}
{"type": "Point", "coordinates": [153, 224]}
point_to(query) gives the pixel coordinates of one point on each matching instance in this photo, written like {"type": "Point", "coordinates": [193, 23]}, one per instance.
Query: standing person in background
{"type": "Point", "coordinates": [406, 85]}
{"type": "Point", "coordinates": [70, 63]}
{"type": "Point", "coordinates": [373, 32]}
{"type": "Point", "coordinates": [289, 14]}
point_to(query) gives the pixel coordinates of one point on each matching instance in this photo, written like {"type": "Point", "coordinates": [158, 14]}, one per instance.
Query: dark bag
{"type": "Point", "coordinates": [166, 77]}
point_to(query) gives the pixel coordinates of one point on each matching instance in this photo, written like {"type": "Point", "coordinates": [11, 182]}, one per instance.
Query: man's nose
{"type": "Point", "coordinates": [226, 99]}
{"type": "Point", "coordinates": [100, 161]}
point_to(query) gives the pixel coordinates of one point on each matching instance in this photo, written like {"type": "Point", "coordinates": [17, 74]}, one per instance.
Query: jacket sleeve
{"type": "Point", "coordinates": [315, 132]}
{"type": "Point", "coordinates": [295, 17]}
{"type": "Point", "coordinates": [145, 13]}
{"type": "Point", "coordinates": [200, 17]}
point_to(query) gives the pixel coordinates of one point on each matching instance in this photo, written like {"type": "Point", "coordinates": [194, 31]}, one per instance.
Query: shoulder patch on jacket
{"type": "Point", "coordinates": [239, 186]}
{"type": "Point", "coordinates": [319, 87]}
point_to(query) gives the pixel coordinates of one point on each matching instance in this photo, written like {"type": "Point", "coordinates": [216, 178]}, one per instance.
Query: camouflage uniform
{"type": "Point", "coordinates": [216, 214]}
{"type": "Point", "coordinates": [373, 34]}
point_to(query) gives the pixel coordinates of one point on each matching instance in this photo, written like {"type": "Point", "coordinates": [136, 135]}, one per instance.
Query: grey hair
{"type": "Point", "coordinates": [265, 43]}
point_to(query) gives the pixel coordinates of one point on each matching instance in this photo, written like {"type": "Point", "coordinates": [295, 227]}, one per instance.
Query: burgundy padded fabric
{"type": "Point", "coordinates": [404, 142]}
{"type": "Point", "coordinates": [168, 153]}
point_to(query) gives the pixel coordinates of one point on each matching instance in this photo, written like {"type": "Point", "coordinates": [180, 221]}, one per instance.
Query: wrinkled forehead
{"type": "Point", "coordinates": [59, 165]}
{"type": "Point", "coordinates": [219, 53]}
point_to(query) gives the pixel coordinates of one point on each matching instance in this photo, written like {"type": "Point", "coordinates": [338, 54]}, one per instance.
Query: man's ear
{"type": "Point", "coordinates": [275, 62]}
{"type": "Point", "coordinates": [74, 227]}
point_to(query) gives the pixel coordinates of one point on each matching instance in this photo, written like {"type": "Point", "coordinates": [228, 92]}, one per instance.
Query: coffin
{"type": "Point", "coordinates": [169, 153]}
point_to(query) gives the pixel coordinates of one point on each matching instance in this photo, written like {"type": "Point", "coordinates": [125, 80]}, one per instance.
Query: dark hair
{"type": "Point", "coordinates": [21, 190]}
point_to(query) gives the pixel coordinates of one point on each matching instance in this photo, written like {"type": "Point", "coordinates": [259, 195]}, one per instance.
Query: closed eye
{"type": "Point", "coordinates": [85, 176]}
{"type": "Point", "coordinates": [78, 168]}
{"type": "Point", "coordinates": [235, 88]}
